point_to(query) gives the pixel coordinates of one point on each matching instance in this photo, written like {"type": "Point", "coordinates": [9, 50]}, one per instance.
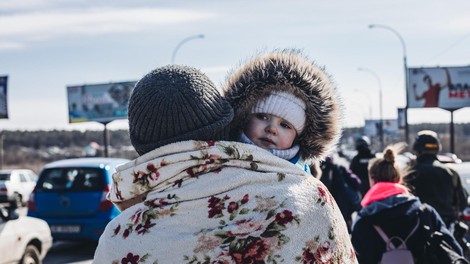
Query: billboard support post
{"type": "Point", "coordinates": [452, 142]}
{"type": "Point", "coordinates": [1, 149]}
{"type": "Point", "coordinates": [105, 139]}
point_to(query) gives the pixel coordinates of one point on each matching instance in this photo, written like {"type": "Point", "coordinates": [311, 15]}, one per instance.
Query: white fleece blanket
{"type": "Point", "coordinates": [222, 202]}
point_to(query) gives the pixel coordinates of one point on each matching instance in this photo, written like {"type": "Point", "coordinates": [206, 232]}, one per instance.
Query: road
{"type": "Point", "coordinates": [70, 252]}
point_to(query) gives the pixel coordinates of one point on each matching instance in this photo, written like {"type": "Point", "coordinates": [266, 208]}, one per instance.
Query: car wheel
{"type": "Point", "coordinates": [18, 200]}
{"type": "Point", "coordinates": [31, 255]}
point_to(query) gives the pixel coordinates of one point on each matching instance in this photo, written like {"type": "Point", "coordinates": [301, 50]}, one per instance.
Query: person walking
{"type": "Point", "coordinates": [343, 185]}
{"type": "Point", "coordinates": [360, 162]}
{"type": "Point", "coordinates": [433, 182]}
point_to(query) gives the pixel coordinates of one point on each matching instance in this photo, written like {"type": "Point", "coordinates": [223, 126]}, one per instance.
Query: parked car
{"type": "Point", "coordinates": [16, 185]}
{"type": "Point", "coordinates": [448, 158]}
{"type": "Point", "coordinates": [70, 196]}
{"type": "Point", "coordinates": [23, 239]}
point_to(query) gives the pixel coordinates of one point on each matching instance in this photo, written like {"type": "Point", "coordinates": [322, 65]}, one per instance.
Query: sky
{"type": "Point", "coordinates": [47, 45]}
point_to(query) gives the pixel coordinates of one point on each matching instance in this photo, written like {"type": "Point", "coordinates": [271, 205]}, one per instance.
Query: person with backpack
{"type": "Point", "coordinates": [394, 224]}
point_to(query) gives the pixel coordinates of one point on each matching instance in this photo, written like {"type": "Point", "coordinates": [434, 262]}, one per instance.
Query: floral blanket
{"type": "Point", "coordinates": [222, 202]}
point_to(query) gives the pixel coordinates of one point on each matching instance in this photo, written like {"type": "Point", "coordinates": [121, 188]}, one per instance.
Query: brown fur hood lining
{"type": "Point", "coordinates": [290, 71]}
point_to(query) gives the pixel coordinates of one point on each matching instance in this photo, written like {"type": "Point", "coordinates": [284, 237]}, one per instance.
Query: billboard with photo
{"type": "Point", "coordinates": [443, 87]}
{"type": "Point", "coordinates": [372, 127]}
{"type": "Point", "coordinates": [98, 102]}
{"type": "Point", "coordinates": [3, 97]}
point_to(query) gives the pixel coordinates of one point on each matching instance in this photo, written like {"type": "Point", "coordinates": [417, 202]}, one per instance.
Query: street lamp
{"type": "Point", "coordinates": [368, 101]}
{"type": "Point", "coordinates": [406, 73]}
{"type": "Point", "coordinates": [380, 104]}
{"type": "Point", "coordinates": [181, 43]}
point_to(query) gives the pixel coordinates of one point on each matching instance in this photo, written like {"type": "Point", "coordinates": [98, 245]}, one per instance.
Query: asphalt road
{"type": "Point", "coordinates": [70, 252]}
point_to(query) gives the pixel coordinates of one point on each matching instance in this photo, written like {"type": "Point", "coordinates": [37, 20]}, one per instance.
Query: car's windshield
{"type": "Point", "coordinates": [4, 176]}
{"type": "Point", "coordinates": [71, 179]}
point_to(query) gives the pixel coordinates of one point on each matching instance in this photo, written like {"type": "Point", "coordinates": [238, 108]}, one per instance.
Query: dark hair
{"type": "Point", "coordinates": [385, 169]}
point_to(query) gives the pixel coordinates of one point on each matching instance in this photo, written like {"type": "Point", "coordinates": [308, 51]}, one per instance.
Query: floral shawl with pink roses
{"type": "Point", "coordinates": [222, 202]}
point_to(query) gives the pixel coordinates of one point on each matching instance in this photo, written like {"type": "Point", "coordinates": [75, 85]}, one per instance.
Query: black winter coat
{"type": "Point", "coordinates": [437, 185]}
{"type": "Point", "coordinates": [359, 165]}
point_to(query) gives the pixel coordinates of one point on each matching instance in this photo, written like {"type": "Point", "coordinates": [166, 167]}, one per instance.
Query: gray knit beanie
{"type": "Point", "coordinates": [176, 103]}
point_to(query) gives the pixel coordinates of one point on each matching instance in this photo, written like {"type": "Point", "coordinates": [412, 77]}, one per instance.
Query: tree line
{"type": "Point", "coordinates": [24, 148]}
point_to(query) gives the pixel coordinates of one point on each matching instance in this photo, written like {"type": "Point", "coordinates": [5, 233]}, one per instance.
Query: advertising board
{"type": "Point", "coordinates": [98, 102]}
{"type": "Point", "coordinates": [3, 97]}
{"type": "Point", "coordinates": [443, 87]}
{"type": "Point", "coordinates": [372, 127]}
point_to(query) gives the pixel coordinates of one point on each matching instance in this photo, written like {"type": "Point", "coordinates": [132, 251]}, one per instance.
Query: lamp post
{"type": "Point", "coordinates": [368, 100]}
{"type": "Point", "coordinates": [406, 73]}
{"type": "Point", "coordinates": [381, 130]}
{"type": "Point", "coordinates": [181, 43]}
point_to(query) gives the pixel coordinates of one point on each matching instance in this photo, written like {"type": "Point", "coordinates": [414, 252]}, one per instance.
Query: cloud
{"type": "Point", "coordinates": [19, 30]}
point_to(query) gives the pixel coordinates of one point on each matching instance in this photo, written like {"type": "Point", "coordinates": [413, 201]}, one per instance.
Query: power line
{"type": "Point", "coordinates": [449, 48]}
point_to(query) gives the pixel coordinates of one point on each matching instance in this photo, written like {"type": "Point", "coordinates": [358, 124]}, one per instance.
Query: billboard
{"type": "Point", "coordinates": [443, 87]}
{"type": "Point", "coordinates": [372, 127]}
{"type": "Point", "coordinates": [98, 102]}
{"type": "Point", "coordinates": [3, 97]}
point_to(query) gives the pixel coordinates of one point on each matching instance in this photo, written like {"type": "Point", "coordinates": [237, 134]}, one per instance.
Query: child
{"type": "Point", "coordinates": [286, 104]}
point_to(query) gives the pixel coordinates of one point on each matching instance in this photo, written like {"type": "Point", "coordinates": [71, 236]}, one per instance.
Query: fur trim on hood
{"type": "Point", "coordinates": [289, 71]}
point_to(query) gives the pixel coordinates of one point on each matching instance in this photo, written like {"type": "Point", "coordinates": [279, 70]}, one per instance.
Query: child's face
{"type": "Point", "coordinates": [270, 131]}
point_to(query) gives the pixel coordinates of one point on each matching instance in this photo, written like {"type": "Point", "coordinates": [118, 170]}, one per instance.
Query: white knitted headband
{"type": "Point", "coordinates": [284, 105]}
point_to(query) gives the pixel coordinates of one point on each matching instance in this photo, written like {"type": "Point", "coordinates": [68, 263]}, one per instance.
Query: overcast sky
{"type": "Point", "coordinates": [46, 45]}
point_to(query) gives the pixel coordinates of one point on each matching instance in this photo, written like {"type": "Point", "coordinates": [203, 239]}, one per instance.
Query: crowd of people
{"type": "Point", "coordinates": [247, 175]}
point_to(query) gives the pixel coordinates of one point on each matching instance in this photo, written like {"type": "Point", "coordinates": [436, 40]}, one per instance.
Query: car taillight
{"type": "Point", "coordinates": [105, 204]}
{"type": "Point", "coordinates": [466, 214]}
{"type": "Point", "coordinates": [3, 189]}
{"type": "Point", "coordinates": [31, 203]}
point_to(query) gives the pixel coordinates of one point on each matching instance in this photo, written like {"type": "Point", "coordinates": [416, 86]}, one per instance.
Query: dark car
{"type": "Point", "coordinates": [70, 196]}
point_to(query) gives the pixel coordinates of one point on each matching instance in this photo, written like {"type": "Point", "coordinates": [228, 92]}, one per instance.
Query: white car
{"type": "Point", "coordinates": [16, 185]}
{"type": "Point", "coordinates": [23, 239]}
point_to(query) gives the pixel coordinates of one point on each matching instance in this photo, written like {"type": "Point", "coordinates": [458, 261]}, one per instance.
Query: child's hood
{"type": "Point", "coordinates": [289, 71]}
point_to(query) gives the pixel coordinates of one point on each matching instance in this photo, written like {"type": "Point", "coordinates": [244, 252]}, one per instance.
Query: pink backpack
{"type": "Point", "coordinates": [399, 254]}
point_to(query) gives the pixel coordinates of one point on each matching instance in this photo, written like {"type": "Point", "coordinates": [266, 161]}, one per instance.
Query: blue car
{"type": "Point", "coordinates": [70, 195]}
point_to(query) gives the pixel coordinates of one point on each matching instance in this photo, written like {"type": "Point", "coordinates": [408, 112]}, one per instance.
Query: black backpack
{"type": "Point", "coordinates": [436, 249]}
